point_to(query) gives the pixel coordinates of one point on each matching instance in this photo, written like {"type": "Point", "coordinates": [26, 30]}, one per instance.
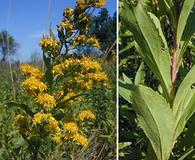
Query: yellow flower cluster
{"type": "Point", "coordinates": [57, 137]}
{"type": "Point", "coordinates": [70, 127]}
{"type": "Point", "coordinates": [69, 95]}
{"type": "Point", "coordinates": [33, 86]}
{"type": "Point", "coordinates": [52, 123]}
{"type": "Point", "coordinates": [86, 114]}
{"type": "Point", "coordinates": [85, 41]}
{"type": "Point", "coordinates": [67, 26]}
{"type": "Point", "coordinates": [22, 122]}
{"type": "Point", "coordinates": [81, 140]}
{"type": "Point", "coordinates": [71, 133]}
{"type": "Point", "coordinates": [46, 100]}
{"type": "Point", "coordinates": [68, 12]}
{"type": "Point", "coordinates": [100, 3]}
{"type": "Point", "coordinates": [49, 45]}
{"type": "Point", "coordinates": [98, 76]}
{"type": "Point", "coordinates": [84, 70]}
{"type": "Point", "coordinates": [81, 4]}
{"type": "Point", "coordinates": [30, 71]}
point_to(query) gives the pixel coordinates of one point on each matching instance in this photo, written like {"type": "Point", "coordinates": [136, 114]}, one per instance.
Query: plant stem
{"type": "Point", "coordinates": [174, 63]}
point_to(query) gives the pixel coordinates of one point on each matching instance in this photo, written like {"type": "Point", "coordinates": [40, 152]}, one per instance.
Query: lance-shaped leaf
{"type": "Point", "coordinates": [126, 90]}
{"type": "Point", "coordinates": [169, 6]}
{"type": "Point", "coordinates": [186, 36]}
{"type": "Point", "coordinates": [184, 102]}
{"type": "Point", "coordinates": [139, 77]}
{"type": "Point", "coordinates": [156, 120]}
{"type": "Point", "coordinates": [148, 34]}
{"type": "Point", "coordinates": [187, 7]}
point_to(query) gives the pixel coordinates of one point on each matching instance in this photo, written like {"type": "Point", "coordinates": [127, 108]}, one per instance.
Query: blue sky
{"type": "Point", "coordinates": [28, 20]}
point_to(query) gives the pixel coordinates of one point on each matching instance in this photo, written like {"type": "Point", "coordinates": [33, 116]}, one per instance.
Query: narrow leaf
{"type": "Point", "coordinates": [184, 102]}
{"type": "Point", "coordinates": [126, 90]}
{"type": "Point", "coordinates": [186, 36]}
{"type": "Point", "coordinates": [139, 77]}
{"type": "Point", "coordinates": [187, 6]}
{"type": "Point", "coordinates": [127, 79]}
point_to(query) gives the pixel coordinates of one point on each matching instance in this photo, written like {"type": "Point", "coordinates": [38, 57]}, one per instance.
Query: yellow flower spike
{"type": "Point", "coordinates": [33, 85]}
{"type": "Point", "coordinates": [86, 114]}
{"type": "Point", "coordinates": [80, 140]}
{"type": "Point", "coordinates": [70, 127]}
{"type": "Point", "coordinates": [29, 70]}
{"type": "Point", "coordinates": [46, 100]}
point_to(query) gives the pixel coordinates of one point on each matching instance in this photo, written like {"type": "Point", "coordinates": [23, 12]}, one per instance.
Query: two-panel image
{"type": "Point", "coordinates": [97, 80]}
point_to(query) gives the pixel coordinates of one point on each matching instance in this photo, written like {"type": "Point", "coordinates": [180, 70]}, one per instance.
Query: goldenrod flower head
{"type": "Point", "coordinates": [100, 3]}
{"type": "Point", "coordinates": [20, 118]}
{"type": "Point", "coordinates": [68, 12]}
{"type": "Point", "coordinates": [87, 85]}
{"type": "Point", "coordinates": [52, 123]}
{"type": "Point", "coordinates": [67, 26]}
{"type": "Point", "coordinates": [30, 71]}
{"type": "Point", "coordinates": [69, 95]}
{"type": "Point", "coordinates": [46, 100]}
{"type": "Point", "coordinates": [86, 114]}
{"type": "Point", "coordinates": [70, 127]}
{"type": "Point", "coordinates": [85, 41]}
{"type": "Point", "coordinates": [58, 69]}
{"type": "Point", "coordinates": [81, 4]}
{"type": "Point", "coordinates": [81, 140]}
{"type": "Point", "coordinates": [38, 118]}
{"type": "Point", "coordinates": [98, 76]}
{"type": "Point", "coordinates": [49, 45]}
{"type": "Point", "coordinates": [90, 64]}
{"type": "Point", "coordinates": [93, 42]}
{"type": "Point", "coordinates": [33, 85]}
{"type": "Point", "coordinates": [22, 122]}
{"type": "Point", "coordinates": [57, 138]}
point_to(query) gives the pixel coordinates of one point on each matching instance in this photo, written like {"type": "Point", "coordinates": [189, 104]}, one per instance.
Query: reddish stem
{"type": "Point", "coordinates": [174, 63]}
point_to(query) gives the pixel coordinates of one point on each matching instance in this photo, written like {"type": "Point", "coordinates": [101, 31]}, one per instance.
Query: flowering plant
{"type": "Point", "coordinates": [60, 116]}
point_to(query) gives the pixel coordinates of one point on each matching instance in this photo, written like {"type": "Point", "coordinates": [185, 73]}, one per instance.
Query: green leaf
{"type": "Point", "coordinates": [50, 31]}
{"type": "Point", "coordinates": [127, 79]}
{"type": "Point", "coordinates": [170, 8]}
{"type": "Point", "coordinates": [126, 90]}
{"type": "Point", "coordinates": [139, 77]}
{"type": "Point", "coordinates": [186, 154]}
{"type": "Point", "coordinates": [184, 102]}
{"type": "Point", "coordinates": [129, 45]}
{"type": "Point", "coordinates": [186, 36]}
{"type": "Point", "coordinates": [152, 45]}
{"type": "Point", "coordinates": [156, 120]}
{"type": "Point", "coordinates": [187, 6]}
{"type": "Point", "coordinates": [123, 145]}
{"type": "Point", "coordinates": [22, 106]}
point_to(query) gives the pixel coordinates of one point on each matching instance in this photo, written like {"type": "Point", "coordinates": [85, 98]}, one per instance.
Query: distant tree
{"type": "Point", "coordinates": [8, 45]}
{"type": "Point", "coordinates": [103, 26]}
